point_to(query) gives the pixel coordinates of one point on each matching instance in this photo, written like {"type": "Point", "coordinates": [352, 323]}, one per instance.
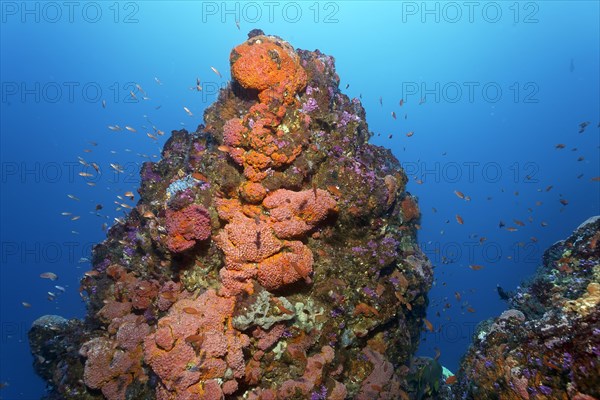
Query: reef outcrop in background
{"type": "Point", "coordinates": [547, 346]}
{"type": "Point", "coordinates": [272, 255]}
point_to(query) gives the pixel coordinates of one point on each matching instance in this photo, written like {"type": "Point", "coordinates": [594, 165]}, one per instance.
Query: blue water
{"type": "Point", "coordinates": [498, 88]}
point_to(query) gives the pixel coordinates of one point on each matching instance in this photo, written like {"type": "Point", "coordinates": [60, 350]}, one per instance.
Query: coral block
{"type": "Point", "coordinates": [269, 65]}
{"type": "Point", "coordinates": [295, 213]}
{"type": "Point", "coordinates": [293, 263]}
{"type": "Point", "coordinates": [193, 345]}
{"type": "Point", "coordinates": [266, 250]}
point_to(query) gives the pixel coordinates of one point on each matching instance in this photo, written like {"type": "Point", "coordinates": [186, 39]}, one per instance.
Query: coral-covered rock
{"type": "Point", "coordinates": [272, 255]}
{"type": "Point", "coordinates": [548, 345]}
{"type": "Point", "coordinates": [106, 368]}
{"type": "Point", "coordinates": [252, 192]}
{"type": "Point", "coordinates": [192, 345]}
{"type": "Point", "coordinates": [252, 247]}
{"type": "Point", "coordinates": [292, 264]}
{"type": "Point", "coordinates": [295, 213]}
{"type": "Point", "coordinates": [186, 226]}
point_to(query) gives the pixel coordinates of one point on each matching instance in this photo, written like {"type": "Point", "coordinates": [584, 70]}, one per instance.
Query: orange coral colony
{"type": "Point", "coordinates": [269, 65]}
{"type": "Point", "coordinates": [254, 238]}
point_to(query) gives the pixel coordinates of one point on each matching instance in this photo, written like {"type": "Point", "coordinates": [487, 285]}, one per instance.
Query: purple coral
{"type": "Point", "coordinates": [545, 390]}
{"type": "Point", "coordinates": [310, 106]}
{"type": "Point", "coordinates": [148, 174]}
{"type": "Point", "coordinates": [320, 394]}
{"type": "Point", "coordinates": [347, 117]}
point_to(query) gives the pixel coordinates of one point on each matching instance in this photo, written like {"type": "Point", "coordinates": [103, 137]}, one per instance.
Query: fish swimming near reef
{"type": "Point", "coordinates": [502, 293]}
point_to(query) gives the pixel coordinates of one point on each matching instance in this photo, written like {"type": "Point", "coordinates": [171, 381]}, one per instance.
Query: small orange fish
{"type": "Point", "coordinates": [533, 239]}
{"type": "Point", "coordinates": [511, 229]}
{"type": "Point", "coordinates": [195, 339]}
{"type": "Point", "coordinates": [334, 190]}
{"type": "Point", "coordinates": [560, 146]}
{"type": "Point", "coordinates": [168, 295]}
{"type": "Point", "coordinates": [284, 310]}
{"type": "Point", "coordinates": [482, 239]}
{"type": "Point", "coordinates": [520, 223]}
{"type": "Point", "coordinates": [563, 202]}
{"type": "Point", "coordinates": [49, 275]}
{"type": "Point", "coordinates": [470, 309]}
{"type": "Point", "coordinates": [148, 214]}
{"type": "Point", "coordinates": [91, 274]}
{"type": "Point", "coordinates": [451, 380]}
{"type": "Point", "coordinates": [199, 176]}
{"type": "Point", "coordinates": [117, 167]}
{"type": "Point", "coordinates": [552, 365]}
{"type": "Point", "coordinates": [459, 194]}
{"type": "Point", "coordinates": [409, 134]}
{"type": "Point", "coordinates": [459, 219]}
{"type": "Point", "coordinates": [428, 325]}
{"type": "Point", "coordinates": [595, 179]}
{"type": "Point", "coordinates": [476, 267]}
{"type": "Point", "coordinates": [216, 71]}
{"type": "Point", "coordinates": [190, 310]}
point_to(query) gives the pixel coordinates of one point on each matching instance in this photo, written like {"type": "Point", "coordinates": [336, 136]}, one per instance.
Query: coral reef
{"type": "Point", "coordinates": [272, 255]}
{"type": "Point", "coordinates": [547, 346]}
